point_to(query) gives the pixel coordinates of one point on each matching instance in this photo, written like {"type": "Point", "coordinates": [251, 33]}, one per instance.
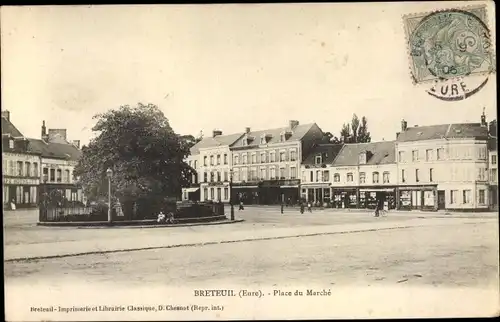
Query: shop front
{"type": "Point", "coordinates": [369, 197]}
{"type": "Point", "coordinates": [316, 193]}
{"type": "Point", "coordinates": [22, 192]}
{"type": "Point", "coordinates": [248, 193]}
{"type": "Point", "coordinates": [344, 197]}
{"type": "Point", "coordinates": [214, 191]}
{"type": "Point", "coordinates": [417, 198]}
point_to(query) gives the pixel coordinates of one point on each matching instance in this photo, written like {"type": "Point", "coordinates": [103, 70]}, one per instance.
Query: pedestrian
{"type": "Point", "coordinates": [309, 207]}
{"type": "Point", "coordinates": [377, 208]}
{"type": "Point", "coordinates": [241, 206]}
{"type": "Point", "coordinates": [282, 206]}
{"type": "Point", "coordinates": [12, 205]}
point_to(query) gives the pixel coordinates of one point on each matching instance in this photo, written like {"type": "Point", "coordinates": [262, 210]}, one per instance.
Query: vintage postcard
{"type": "Point", "coordinates": [250, 161]}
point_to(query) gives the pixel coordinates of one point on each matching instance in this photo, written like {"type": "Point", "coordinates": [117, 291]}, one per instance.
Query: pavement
{"type": "Point", "coordinates": [131, 242]}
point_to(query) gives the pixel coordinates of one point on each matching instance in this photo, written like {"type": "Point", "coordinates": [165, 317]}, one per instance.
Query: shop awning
{"type": "Point", "coordinates": [192, 189]}
{"type": "Point", "coordinates": [296, 186]}
{"type": "Point", "coordinates": [245, 187]}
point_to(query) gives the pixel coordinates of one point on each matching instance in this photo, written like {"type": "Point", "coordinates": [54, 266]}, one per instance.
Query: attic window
{"type": "Point", "coordinates": [11, 143]}
{"type": "Point", "coordinates": [263, 139]}
{"type": "Point", "coordinates": [318, 159]}
{"type": "Point", "coordinates": [362, 158]}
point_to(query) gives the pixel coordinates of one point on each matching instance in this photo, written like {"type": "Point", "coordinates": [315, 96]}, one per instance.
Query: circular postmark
{"type": "Point", "coordinates": [452, 48]}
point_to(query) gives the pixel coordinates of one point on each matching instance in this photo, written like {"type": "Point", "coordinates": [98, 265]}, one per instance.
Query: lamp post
{"type": "Point", "coordinates": [109, 174]}
{"type": "Point", "coordinates": [231, 193]}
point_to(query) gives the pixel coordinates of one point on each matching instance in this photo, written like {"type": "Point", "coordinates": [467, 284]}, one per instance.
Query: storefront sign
{"type": "Point", "coordinates": [20, 181]}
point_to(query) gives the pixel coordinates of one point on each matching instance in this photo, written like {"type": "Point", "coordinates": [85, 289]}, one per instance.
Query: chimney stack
{"type": "Point", "coordinates": [404, 125]}
{"type": "Point", "coordinates": [216, 133]}
{"type": "Point", "coordinates": [483, 119]}
{"type": "Point", "coordinates": [6, 115]}
{"type": "Point", "coordinates": [247, 130]}
{"type": "Point", "coordinates": [76, 143]}
{"type": "Point", "coordinates": [293, 123]}
{"type": "Point", "coordinates": [44, 132]}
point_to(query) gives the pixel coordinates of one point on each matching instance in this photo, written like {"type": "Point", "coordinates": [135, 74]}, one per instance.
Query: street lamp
{"type": "Point", "coordinates": [231, 193]}
{"type": "Point", "coordinates": [109, 174]}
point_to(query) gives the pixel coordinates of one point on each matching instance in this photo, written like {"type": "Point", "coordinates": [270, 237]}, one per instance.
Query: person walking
{"type": "Point", "coordinates": [309, 207]}
{"type": "Point", "coordinates": [241, 206]}
{"type": "Point", "coordinates": [302, 206]}
{"type": "Point", "coordinates": [377, 207]}
{"type": "Point", "coordinates": [282, 206]}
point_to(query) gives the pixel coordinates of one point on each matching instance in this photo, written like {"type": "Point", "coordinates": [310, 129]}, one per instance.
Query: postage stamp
{"type": "Point", "coordinates": [449, 44]}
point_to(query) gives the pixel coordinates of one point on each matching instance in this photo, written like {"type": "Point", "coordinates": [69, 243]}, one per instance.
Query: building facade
{"type": "Point", "coordinates": [443, 167]}
{"type": "Point", "coordinates": [266, 163]}
{"type": "Point", "coordinates": [493, 165]}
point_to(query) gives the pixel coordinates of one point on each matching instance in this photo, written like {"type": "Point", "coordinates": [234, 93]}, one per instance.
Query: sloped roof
{"type": "Point", "coordinates": [274, 135]}
{"type": "Point", "coordinates": [220, 140]}
{"type": "Point", "coordinates": [381, 153]}
{"type": "Point", "coordinates": [9, 128]}
{"type": "Point", "coordinates": [448, 131]}
{"type": "Point", "coordinates": [327, 151]}
{"type": "Point", "coordinates": [54, 150]}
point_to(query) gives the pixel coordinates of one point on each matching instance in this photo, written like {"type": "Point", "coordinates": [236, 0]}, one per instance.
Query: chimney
{"type": "Point", "coordinates": [76, 143]}
{"type": "Point", "coordinates": [57, 135]}
{"type": "Point", "coordinates": [216, 133]}
{"type": "Point", "coordinates": [293, 123]}
{"type": "Point", "coordinates": [6, 115]}
{"type": "Point", "coordinates": [44, 131]}
{"type": "Point", "coordinates": [404, 125]}
{"type": "Point", "coordinates": [483, 119]}
{"type": "Point", "coordinates": [247, 130]}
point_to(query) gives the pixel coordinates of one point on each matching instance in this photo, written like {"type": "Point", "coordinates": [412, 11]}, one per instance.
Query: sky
{"type": "Point", "coordinates": [221, 66]}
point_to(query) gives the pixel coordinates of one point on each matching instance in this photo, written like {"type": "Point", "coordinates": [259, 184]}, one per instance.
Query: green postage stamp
{"type": "Point", "coordinates": [449, 43]}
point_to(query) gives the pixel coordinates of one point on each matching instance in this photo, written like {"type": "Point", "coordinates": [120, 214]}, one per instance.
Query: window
{"type": "Point", "coordinates": [20, 168]}
{"type": "Point", "coordinates": [263, 174]}
{"type": "Point", "coordinates": [401, 156]}
{"type": "Point", "coordinates": [212, 195]}
{"type": "Point", "coordinates": [429, 155]}
{"type": "Point", "coordinates": [493, 159]}
{"type": "Point", "coordinates": [318, 175]}
{"type": "Point", "coordinates": [28, 169]}
{"type": "Point", "coordinates": [414, 155]}
{"type": "Point", "coordinates": [226, 177]}
{"type": "Point", "coordinates": [212, 162]}
{"type": "Point", "coordinates": [205, 177]}
{"type": "Point", "coordinates": [245, 158]}
{"type": "Point", "coordinates": [212, 176]}
{"type": "Point", "coordinates": [244, 174]}
{"type": "Point", "coordinates": [236, 159]}
{"type": "Point", "coordinates": [417, 179]}
{"type": "Point", "coordinates": [272, 171]}
{"type": "Point", "coordinates": [453, 196]}
{"type": "Point", "coordinates": [311, 176]}
{"type": "Point", "coordinates": [326, 176]}
{"type": "Point", "coordinates": [11, 144]}
{"type": "Point", "coordinates": [66, 177]}
{"type": "Point", "coordinates": [219, 176]}
{"type": "Point", "coordinates": [262, 158]}
{"type": "Point", "coordinates": [59, 175]}
{"type": "Point", "coordinates": [375, 177]}
{"type": "Point", "coordinates": [225, 158]}
{"type": "Point", "coordinates": [282, 156]}
{"type": "Point", "coordinates": [35, 169]}
{"type": "Point", "coordinates": [440, 154]}
{"type": "Point", "coordinates": [205, 160]}
{"type": "Point", "coordinates": [431, 174]}
{"type": "Point", "coordinates": [304, 176]}
{"type": "Point", "coordinates": [218, 159]}
{"type": "Point", "coordinates": [263, 140]}
{"type": "Point", "coordinates": [482, 197]}
{"type": "Point", "coordinates": [45, 174]}
{"type": "Point", "coordinates": [236, 175]}
{"type": "Point", "coordinates": [253, 174]}
{"type": "Point", "coordinates": [481, 174]}
{"type": "Point", "coordinates": [466, 196]}
{"type": "Point", "coordinates": [282, 173]}
{"type": "Point", "coordinates": [293, 155]}
{"type": "Point", "coordinates": [493, 177]}
{"type": "Point", "coordinates": [362, 177]}
{"type": "Point", "coordinates": [350, 177]}
{"type": "Point", "coordinates": [336, 177]}
{"type": "Point", "coordinates": [254, 158]}
{"type": "Point", "coordinates": [195, 164]}
{"type": "Point", "coordinates": [386, 177]}
{"type": "Point", "coordinates": [226, 194]}
{"type": "Point", "coordinates": [282, 137]}
{"type": "Point", "coordinates": [293, 172]}
{"type": "Point", "coordinates": [272, 157]}
{"type": "Point", "coordinates": [318, 159]}
{"type": "Point", "coordinates": [482, 153]}
{"type": "Point", "coordinates": [205, 193]}
{"type": "Point", "coordinates": [362, 158]}
{"type": "Point", "coordinates": [403, 178]}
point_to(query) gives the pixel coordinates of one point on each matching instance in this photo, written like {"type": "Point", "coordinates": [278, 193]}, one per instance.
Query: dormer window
{"type": "Point", "coordinates": [318, 159]}
{"type": "Point", "coordinates": [282, 137]}
{"type": "Point", "coordinates": [362, 158]}
{"type": "Point", "coordinates": [11, 143]}
{"type": "Point", "coordinates": [263, 139]}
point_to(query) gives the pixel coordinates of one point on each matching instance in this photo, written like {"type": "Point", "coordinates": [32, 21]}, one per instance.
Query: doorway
{"type": "Point", "coordinates": [441, 200]}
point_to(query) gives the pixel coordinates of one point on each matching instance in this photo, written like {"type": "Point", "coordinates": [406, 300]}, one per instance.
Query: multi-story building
{"type": "Point", "coordinates": [493, 165]}
{"type": "Point", "coordinates": [21, 167]}
{"type": "Point", "coordinates": [58, 160]}
{"type": "Point", "coordinates": [316, 172]}
{"type": "Point", "coordinates": [266, 163]}
{"type": "Point", "coordinates": [443, 166]}
{"type": "Point", "coordinates": [193, 191]}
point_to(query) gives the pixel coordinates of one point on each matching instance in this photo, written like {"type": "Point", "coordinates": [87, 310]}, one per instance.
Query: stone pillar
{"type": "Point", "coordinates": [358, 194]}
